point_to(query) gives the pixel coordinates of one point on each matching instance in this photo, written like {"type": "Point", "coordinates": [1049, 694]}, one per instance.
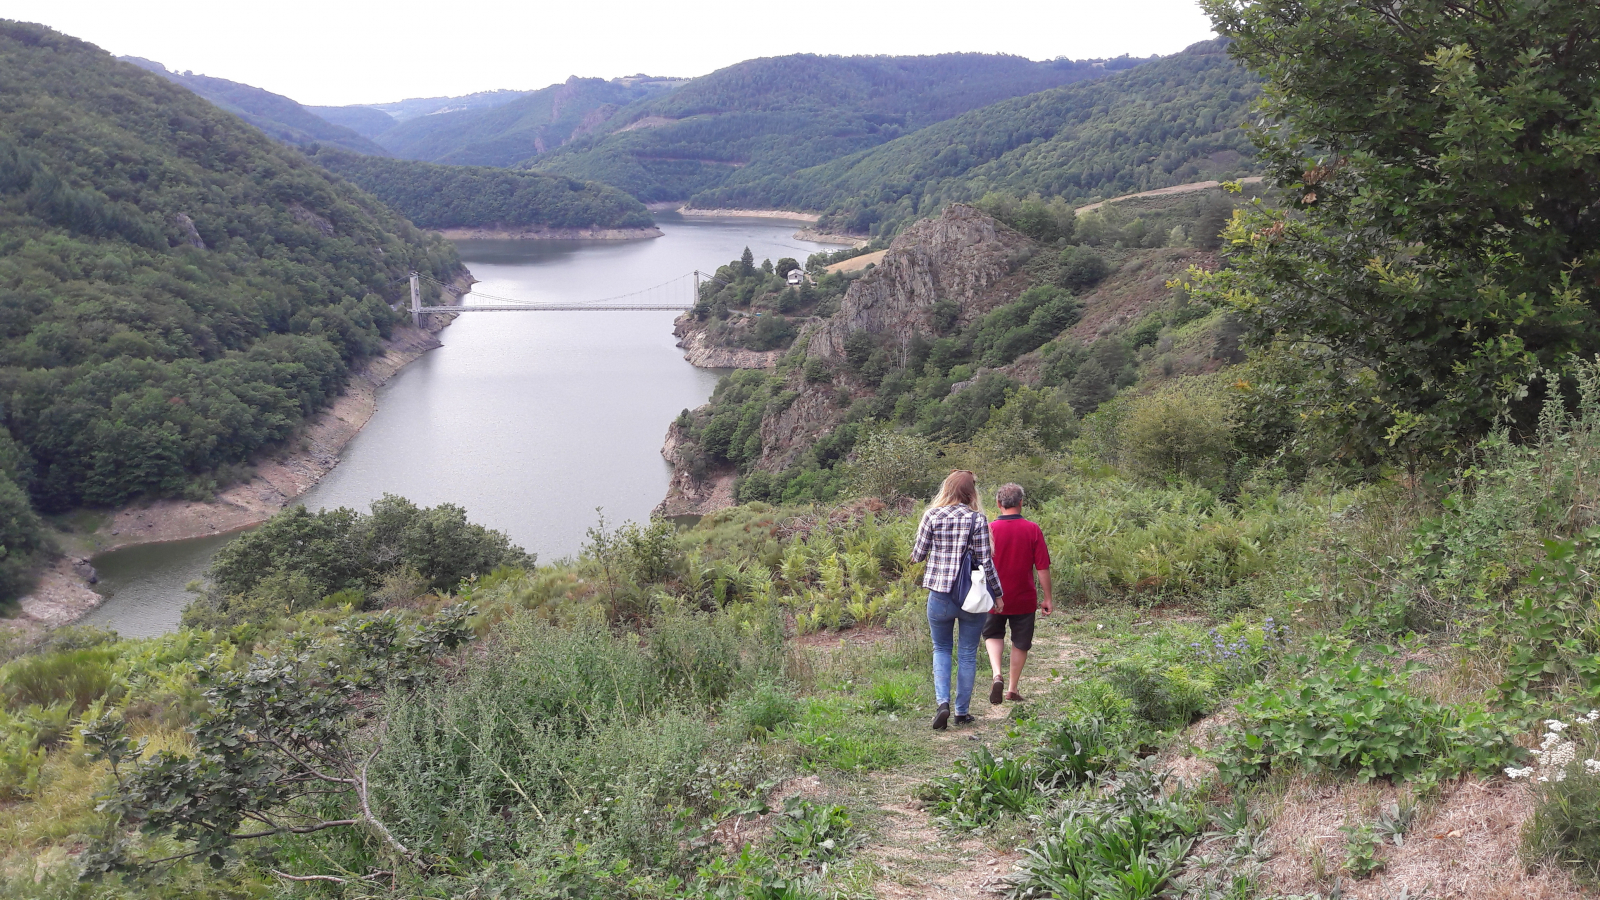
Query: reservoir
{"type": "Point", "coordinates": [529, 420]}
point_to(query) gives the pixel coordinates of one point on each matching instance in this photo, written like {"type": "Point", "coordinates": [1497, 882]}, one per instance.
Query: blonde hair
{"type": "Point", "coordinates": [960, 488]}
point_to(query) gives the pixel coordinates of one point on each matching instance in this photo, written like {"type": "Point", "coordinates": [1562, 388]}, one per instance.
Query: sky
{"type": "Point", "coordinates": [337, 52]}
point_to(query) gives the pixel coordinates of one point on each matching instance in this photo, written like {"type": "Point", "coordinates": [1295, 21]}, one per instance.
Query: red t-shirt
{"type": "Point", "coordinates": [1018, 550]}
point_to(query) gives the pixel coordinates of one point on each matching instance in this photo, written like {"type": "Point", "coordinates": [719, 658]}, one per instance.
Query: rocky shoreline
{"type": "Point", "coordinates": [63, 593]}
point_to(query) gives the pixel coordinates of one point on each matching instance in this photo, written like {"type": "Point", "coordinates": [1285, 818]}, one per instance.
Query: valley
{"type": "Point", "coordinates": [1281, 337]}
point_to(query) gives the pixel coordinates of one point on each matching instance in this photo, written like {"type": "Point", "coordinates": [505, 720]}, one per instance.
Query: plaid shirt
{"type": "Point", "coordinates": [946, 532]}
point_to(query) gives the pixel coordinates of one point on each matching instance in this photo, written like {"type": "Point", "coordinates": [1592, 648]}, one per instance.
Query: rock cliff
{"type": "Point", "coordinates": [964, 256]}
{"type": "Point", "coordinates": [700, 350]}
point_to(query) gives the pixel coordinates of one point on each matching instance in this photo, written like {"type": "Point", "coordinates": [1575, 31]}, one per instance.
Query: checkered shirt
{"type": "Point", "coordinates": [945, 532]}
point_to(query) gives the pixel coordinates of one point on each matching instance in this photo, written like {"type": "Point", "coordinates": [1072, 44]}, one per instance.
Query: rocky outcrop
{"type": "Point", "coordinates": [689, 494]}
{"type": "Point", "coordinates": [699, 350]}
{"type": "Point", "coordinates": [964, 255]}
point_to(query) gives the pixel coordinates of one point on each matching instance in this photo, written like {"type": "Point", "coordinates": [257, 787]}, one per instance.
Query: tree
{"type": "Point", "coordinates": [1082, 268]}
{"type": "Point", "coordinates": [747, 263]}
{"type": "Point", "coordinates": [1441, 217]}
{"type": "Point", "coordinates": [892, 464]}
{"type": "Point", "coordinates": [1182, 431]}
{"type": "Point", "coordinates": [786, 265]}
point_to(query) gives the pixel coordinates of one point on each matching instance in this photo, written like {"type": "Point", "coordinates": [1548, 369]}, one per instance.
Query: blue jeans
{"type": "Point", "coordinates": [944, 611]}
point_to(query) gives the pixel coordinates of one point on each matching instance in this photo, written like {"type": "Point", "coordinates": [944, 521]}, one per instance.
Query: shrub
{"type": "Point", "coordinates": [982, 789]}
{"type": "Point", "coordinates": [1182, 431]}
{"type": "Point", "coordinates": [75, 677]}
{"type": "Point", "coordinates": [1164, 694]}
{"type": "Point", "coordinates": [762, 710]}
{"type": "Point", "coordinates": [1127, 843]}
{"type": "Point", "coordinates": [813, 832]}
{"type": "Point", "coordinates": [1565, 826]}
{"type": "Point", "coordinates": [1341, 713]}
{"type": "Point", "coordinates": [892, 464]}
{"type": "Point", "coordinates": [1082, 268]}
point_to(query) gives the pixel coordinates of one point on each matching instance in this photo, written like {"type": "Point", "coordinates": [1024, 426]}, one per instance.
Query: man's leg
{"type": "Point", "coordinates": [1021, 643]}
{"type": "Point", "coordinates": [994, 639]}
{"type": "Point", "coordinates": [1019, 657]}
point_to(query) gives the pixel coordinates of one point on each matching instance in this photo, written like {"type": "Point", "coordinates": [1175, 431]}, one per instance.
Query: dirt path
{"type": "Point", "coordinates": [1159, 192]}
{"type": "Point", "coordinates": [919, 859]}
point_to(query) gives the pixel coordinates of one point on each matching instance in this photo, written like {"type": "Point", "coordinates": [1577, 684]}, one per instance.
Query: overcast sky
{"type": "Point", "coordinates": [334, 52]}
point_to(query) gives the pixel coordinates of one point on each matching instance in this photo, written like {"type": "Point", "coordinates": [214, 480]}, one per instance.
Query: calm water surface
{"type": "Point", "coordinates": [528, 420]}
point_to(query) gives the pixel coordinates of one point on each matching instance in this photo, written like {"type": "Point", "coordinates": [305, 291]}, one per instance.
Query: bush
{"type": "Point", "coordinates": [1343, 714]}
{"type": "Point", "coordinates": [1182, 431]}
{"type": "Point", "coordinates": [762, 711]}
{"type": "Point", "coordinates": [1082, 268]}
{"type": "Point", "coordinates": [982, 789]}
{"type": "Point", "coordinates": [892, 464]}
{"type": "Point", "coordinates": [1565, 827]}
{"type": "Point", "coordinates": [76, 677]}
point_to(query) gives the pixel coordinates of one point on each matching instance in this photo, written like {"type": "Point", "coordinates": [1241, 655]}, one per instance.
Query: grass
{"type": "Point", "coordinates": [584, 747]}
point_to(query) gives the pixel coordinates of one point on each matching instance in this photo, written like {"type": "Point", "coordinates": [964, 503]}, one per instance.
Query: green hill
{"type": "Point", "coordinates": [435, 196]}
{"type": "Point", "coordinates": [275, 114]}
{"type": "Point", "coordinates": [1168, 122]}
{"type": "Point", "coordinates": [508, 133]}
{"type": "Point", "coordinates": [177, 290]}
{"type": "Point", "coordinates": [763, 119]}
{"type": "Point", "coordinates": [363, 120]}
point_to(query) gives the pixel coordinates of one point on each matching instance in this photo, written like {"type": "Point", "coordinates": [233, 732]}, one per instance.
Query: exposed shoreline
{"type": "Point", "coordinates": [749, 214]}
{"type": "Point", "coordinates": [541, 233]}
{"type": "Point", "coordinates": [829, 237]}
{"type": "Point", "coordinates": [63, 595]}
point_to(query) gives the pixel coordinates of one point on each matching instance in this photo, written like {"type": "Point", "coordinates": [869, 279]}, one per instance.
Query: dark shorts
{"type": "Point", "coordinates": [1021, 629]}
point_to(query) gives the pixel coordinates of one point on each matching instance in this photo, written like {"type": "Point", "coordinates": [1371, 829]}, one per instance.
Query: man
{"type": "Point", "coordinates": [1019, 551]}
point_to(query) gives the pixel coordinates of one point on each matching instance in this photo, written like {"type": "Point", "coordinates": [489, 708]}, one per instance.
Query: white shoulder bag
{"type": "Point", "coordinates": [978, 599]}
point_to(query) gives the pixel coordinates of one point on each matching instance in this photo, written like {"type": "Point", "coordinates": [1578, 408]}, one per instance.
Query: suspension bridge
{"type": "Point", "coordinates": [678, 295]}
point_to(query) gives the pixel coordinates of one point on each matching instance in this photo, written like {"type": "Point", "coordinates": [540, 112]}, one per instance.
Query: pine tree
{"type": "Point", "coordinates": [747, 262]}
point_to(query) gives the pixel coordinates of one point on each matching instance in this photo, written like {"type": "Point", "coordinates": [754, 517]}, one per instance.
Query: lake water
{"type": "Point", "coordinates": [529, 420]}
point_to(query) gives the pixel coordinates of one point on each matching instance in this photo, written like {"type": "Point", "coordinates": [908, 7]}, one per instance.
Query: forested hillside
{"type": "Point", "coordinates": [1173, 121]}
{"type": "Point", "coordinates": [275, 114]}
{"type": "Point", "coordinates": [765, 118]}
{"type": "Point", "coordinates": [177, 290]}
{"type": "Point", "coordinates": [508, 133]}
{"type": "Point", "coordinates": [436, 196]}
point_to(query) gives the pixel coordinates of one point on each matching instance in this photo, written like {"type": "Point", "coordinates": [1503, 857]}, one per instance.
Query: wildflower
{"type": "Point", "coordinates": [1592, 766]}
{"type": "Point", "coordinates": [1556, 726]}
{"type": "Point", "coordinates": [1515, 773]}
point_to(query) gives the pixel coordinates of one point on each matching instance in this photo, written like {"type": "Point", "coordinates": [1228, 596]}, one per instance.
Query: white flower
{"type": "Point", "coordinates": [1592, 766]}
{"type": "Point", "coordinates": [1591, 717]}
{"type": "Point", "coordinates": [1515, 773]}
{"type": "Point", "coordinates": [1543, 779]}
{"type": "Point", "coordinates": [1555, 725]}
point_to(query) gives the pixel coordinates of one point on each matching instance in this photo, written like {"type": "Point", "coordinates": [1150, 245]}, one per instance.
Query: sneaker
{"type": "Point", "coordinates": [942, 717]}
{"type": "Point", "coordinates": [965, 719]}
{"type": "Point", "coordinates": [997, 690]}
{"type": "Point", "coordinates": [1014, 697]}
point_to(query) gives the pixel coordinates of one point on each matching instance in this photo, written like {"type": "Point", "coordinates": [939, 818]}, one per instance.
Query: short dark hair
{"type": "Point", "coordinates": [1009, 496]}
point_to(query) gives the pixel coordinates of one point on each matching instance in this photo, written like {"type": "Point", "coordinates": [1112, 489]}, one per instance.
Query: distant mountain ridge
{"type": "Point", "coordinates": [773, 116]}
{"type": "Point", "coordinates": [508, 133]}
{"type": "Point", "coordinates": [277, 115]}
{"type": "Point", "coordinates": [1176, 120]}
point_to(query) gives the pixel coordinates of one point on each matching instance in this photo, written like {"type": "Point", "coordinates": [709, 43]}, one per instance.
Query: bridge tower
{"type": "Point", "coordinates": [416, 302]}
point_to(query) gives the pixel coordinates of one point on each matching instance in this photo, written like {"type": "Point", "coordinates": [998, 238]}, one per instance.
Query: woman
{"type": "Point", "coordinates": [953, 526]}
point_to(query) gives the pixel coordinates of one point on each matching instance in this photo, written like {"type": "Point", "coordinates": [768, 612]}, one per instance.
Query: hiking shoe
{"type": "Point", "coordinates": [997, 690]}
{"type": "Point", "coordinates": [965, 719]}
{"type": "Point", "coordinates": [942, 717]}
{"type": "Point", "coordinates": [1014, 697]}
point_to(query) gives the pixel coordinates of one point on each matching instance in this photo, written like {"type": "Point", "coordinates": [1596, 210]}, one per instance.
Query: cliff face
{"type": "Point", "coordinates": [964, 256]}
{"type": "Point", "coordinates": [700, 350]}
